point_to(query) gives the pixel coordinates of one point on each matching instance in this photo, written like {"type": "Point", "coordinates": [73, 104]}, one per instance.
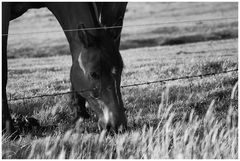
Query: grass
{"type": "Point", "coordinates": [53, 44]}
{"type": "Point", "coordinates": [198, 138]}
{"type": "Point", "coordinates": [195, 118]}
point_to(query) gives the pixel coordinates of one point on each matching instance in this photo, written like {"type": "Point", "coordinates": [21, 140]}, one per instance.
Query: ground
{"type": "Point", "coordinates": [190, 118]}
{"type": "Point", "coordinates": [146, 105]}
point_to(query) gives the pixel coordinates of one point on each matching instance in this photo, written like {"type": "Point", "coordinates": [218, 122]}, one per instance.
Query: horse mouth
{"type": "Point", "coordinates": [109, 117]}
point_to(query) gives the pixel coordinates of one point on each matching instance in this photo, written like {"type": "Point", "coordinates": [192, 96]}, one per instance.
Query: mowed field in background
{"type": "Point", "coordinates": [55, 43]}
{"type": "Point", "coordinates": [191, 118]}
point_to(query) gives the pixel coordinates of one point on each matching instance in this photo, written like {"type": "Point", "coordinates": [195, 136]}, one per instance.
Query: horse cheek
{"type": "Point", "coordinates": [78, 79]}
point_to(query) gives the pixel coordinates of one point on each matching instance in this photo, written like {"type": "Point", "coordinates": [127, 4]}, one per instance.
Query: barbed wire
{"type": "Point", "coordinates": [124, 26]}
{"type": "Point", "coordinates": [180, 78]}
{"type": "Point", "coordinates": [129, 85]}
{"type": "Point", "coordinates": [135, 84]}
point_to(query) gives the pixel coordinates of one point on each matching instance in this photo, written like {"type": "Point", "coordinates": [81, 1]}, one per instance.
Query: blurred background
{"type": "Point", "coordinates": [160, 32]}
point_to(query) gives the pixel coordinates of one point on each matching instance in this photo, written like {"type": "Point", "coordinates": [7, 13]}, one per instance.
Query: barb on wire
{"type": "Point", "coordinates": [129, 85]}
{"type": "Point", "coordinates": [125, 26]}
{"type": "Point", "coordinates": [180, 78]}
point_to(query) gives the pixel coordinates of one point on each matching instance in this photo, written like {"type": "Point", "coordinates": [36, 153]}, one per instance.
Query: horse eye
{"type": "Point", "coordinates": [95, 75]}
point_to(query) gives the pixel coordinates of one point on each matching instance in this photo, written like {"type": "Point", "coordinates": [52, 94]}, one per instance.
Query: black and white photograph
{"type": "Point", "coordinates": [119, 80]}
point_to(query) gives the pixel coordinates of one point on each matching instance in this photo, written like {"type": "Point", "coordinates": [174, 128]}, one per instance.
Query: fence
{"type": "Point", "coordinates": [135, 84]}
{"type": "Point", "coordinates": [125, 26]}
{"type": "Point", "coordinates": [129, 85]}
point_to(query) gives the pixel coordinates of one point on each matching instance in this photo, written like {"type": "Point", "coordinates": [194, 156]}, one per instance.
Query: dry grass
{"type": "Point", "coordinates": [194, 118]}
{"type": "Point", "coordinates": [197, 138]}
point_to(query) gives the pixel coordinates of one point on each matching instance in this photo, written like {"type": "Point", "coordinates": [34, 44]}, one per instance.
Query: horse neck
{"type": "Point", "coordinates": [71, 15]}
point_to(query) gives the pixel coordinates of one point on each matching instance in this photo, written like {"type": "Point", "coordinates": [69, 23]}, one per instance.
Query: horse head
{"type": "Point", "coordinates": [95, 76]}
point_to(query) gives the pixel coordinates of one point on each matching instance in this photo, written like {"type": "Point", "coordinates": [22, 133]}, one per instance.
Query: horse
{"type": "Point", "coordinates": [96, 61]}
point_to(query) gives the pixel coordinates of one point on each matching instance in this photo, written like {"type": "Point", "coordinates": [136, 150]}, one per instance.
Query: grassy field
{"type": "Point", "coordinates": [52, 44]}
{"type": "Point", "coordinates": [194, 118]}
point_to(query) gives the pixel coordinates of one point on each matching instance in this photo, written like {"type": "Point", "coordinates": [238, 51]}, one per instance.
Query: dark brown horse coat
{"type": "Point", "coordinates": [111, 13]}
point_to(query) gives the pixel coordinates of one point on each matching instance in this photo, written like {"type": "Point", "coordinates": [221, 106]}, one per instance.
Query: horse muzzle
{"type": "Point", "coordinates": [113, 114]}
{"type": "Point", "coordinates": [112, 121]}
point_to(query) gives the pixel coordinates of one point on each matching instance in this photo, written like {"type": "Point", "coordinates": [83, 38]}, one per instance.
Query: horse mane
{"type": "Point", "coordinates": [110, 55]}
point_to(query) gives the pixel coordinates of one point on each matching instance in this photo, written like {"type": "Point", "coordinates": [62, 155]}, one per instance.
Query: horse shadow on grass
{"type": "Point", "coordinates": [46, 117]}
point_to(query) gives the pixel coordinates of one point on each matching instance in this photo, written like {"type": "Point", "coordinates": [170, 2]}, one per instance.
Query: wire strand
{"type": "Point", "coordinates": [129, 85]}
{"type": "Point", "coordinates": [124, 26]}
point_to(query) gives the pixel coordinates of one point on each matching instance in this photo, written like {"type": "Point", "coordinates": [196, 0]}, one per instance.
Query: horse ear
{"type": "Point", "coordinates": [84, 36]}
